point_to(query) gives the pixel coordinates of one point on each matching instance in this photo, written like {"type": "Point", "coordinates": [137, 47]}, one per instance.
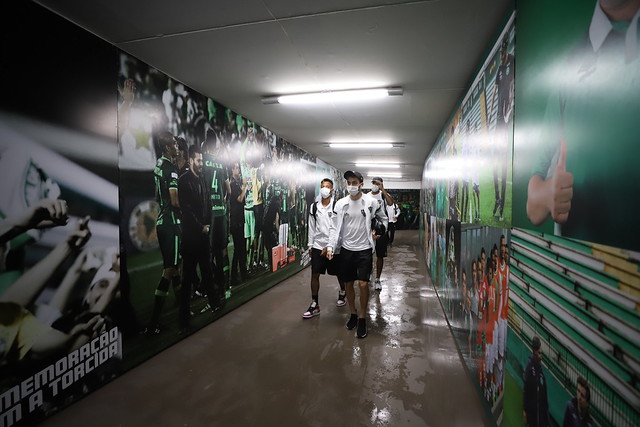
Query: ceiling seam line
{"type": "Point", "coordinates": [286, 34]}
{"type": "Point", "coordinates": [266, 21]}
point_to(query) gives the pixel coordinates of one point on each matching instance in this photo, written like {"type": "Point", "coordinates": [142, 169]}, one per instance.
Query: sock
{"type": "Point", "coordinates": [158, 303]}
{"type": "Point", "coordinates": [315, 298]}
{"type": "Point", "coordinates": [177, 286]}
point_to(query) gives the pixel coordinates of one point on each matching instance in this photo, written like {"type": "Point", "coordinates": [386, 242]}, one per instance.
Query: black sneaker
{"type": "Point", "coordinates": [151, 330]}
{"type": "Point", "coordinates": [362, 328]}
{"type": "Point", "coordinates": [353, 321]}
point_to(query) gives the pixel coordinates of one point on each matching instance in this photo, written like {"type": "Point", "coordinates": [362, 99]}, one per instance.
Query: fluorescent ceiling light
{"type": "Point", "coordinates": [371, 174]}
{"type": "Point", "coordinates": [378, 165]}
{"type": "Point", "coordinates": [330, 96]}
{"type": "Point", "coordinates": [361, 145]}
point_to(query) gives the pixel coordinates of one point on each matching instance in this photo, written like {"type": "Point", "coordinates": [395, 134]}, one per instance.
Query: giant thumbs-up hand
{"type": "Point", "coordinates": [562, 188]}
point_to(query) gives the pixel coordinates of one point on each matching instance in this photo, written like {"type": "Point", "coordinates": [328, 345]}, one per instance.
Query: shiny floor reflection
{"type": "Point", "coordinates": [263, 364]}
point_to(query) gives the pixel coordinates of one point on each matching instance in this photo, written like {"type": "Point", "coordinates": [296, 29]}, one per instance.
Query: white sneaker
{"type": "Point", "coordinates": [312, 311]}
{"type": "Point", "coordinates": [341, 302]}
{"type": "Point", "coordinates": [378, 285]}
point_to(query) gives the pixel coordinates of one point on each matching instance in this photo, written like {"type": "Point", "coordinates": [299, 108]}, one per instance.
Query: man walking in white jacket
{"type": "Point", "coordinates": [352, 227]}
{"type": "Point", "coordinates": [320, 217]}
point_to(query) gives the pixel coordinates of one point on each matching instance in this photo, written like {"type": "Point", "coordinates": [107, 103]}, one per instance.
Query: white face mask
{"type": "Point", "coordinates": [325, 192]}
{"type": "Point", "coordinates": [353, 189]}
{"type": "Point", "coordinates": [375, 188]}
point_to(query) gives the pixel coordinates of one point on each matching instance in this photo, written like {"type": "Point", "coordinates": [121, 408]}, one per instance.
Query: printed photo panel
{"type": "Point", "coordinates": [467, 175]}
{"type": "Point", "coordinates": [63, 293]}
{"type": "Point", "coordinates": [484, 276]}
{"type": "Point", "coordinates": [581, 300]}
{"type": "Point", "coordinates": [243, 197]}
{"type": "Point", "coordinates": [577, 104]}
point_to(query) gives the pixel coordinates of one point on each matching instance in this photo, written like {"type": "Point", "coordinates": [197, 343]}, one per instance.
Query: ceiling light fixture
{"type": "Point", "coordinates": [361, 145]}
{"type": "Point", "coordinates": [378, 165]}
{"type": "Point", "coordinates": [333, 96]}
{"type": "Point", "coordinates": [357, 145]}
{"type": "Point", "coordinates": [372, 174]}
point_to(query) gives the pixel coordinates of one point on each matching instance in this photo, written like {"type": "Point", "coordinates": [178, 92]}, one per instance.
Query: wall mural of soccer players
{"type": "Point", "coordinates": [133, 210]}
{"type": "Point", "coordinates": [576, 177]}
{"type": "Point", "coordinates": [63, 293]}
{"type": "Point", "coordinates": [572, 315]}
{"type": "Point", "coordinates": [215, 205]}
{"type": "Point", "coordinates": [408, 203]}
{"type": "Point", "coordinates": [467, 175]}
{"type": "Point", "coordinates": [480, 309]}
{"type": "Point", "coordinates": [447, 263]}
{"type": "Point", "coordinates": [577, 107]}
{"type": "Point", "coordinates": [466, 201]}
{"type": "Point", "coordinates": [470, 270]}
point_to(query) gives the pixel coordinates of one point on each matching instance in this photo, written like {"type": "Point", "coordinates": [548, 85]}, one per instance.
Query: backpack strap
{"type": "Point", "coordinates": [313, 209]}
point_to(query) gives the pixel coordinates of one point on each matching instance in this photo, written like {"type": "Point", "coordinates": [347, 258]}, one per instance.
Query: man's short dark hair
{"type": "Point", "coordinates": [583, 382]}
{"type": "Point", "coordinates": [165, 139]}
{"type": "Point", "coordinates": [182, 145]}
{"type": "Point", "coordinates": [327, 180]}
{"type": "Point", "coordinates": [536, 344]}
{"type": "Point", "coordinates": [209, 143]}
{"type": "Point", "coordinates": [193, 150]}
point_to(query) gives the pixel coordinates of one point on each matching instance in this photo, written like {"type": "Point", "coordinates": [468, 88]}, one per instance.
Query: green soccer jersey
{"type": "Point", "coordinates": [215, 175]}
{"type": "Point", "coordinates": [249, 174]}
{"type": "Point", "coordinates": [596, 112]}
{"type": "Point", "coordinates": [276, 189]}
{"type": "Point", "coordinates": [166, 178]}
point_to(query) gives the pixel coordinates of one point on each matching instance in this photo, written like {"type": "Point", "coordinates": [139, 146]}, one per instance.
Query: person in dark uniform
{"type": "Point", "coordinates": [217, 181]}
{"type": "Point", "coordinates": [182, 161]}
{"type": "Point", "coordinates": [167, 225]}
{"type": "Point", "coordinates": [236, 225]}
{"type": "Point", "coordinates": [504, 93]}
{"type": "Point", "coordinates": [535, 404]}
{"type": "Point", "coordinates": [271, 218]}
{"type": "Point", "coordinates": [196, 252]}
{"type": "Point", "coordinates": [576, 413]}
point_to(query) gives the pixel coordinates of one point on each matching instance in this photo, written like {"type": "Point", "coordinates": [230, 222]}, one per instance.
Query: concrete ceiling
{"type": "Point", "coordinates": [237, 52]}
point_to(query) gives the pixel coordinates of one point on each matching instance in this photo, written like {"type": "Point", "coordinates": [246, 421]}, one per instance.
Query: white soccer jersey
{"type": "Point", "coordinates": [319, 225]}
{"type": "Point", "coordinates": [353, 223]}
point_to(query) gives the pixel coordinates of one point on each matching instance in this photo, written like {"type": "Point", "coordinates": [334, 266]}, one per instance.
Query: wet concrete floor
{"type": "Point", "coordinates": [263, 364]}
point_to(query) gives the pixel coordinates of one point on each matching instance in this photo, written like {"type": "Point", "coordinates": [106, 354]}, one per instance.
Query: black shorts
{"type": "Point", "coordinates": [169, 241]}
{"type": "Point", "coordinates": [219, 233]}
{"type": "Point", "coordinates": [320, 264]}
{"type": "Point", "coordinates": [259, 213]}
{"type": "Point", "coordinates": [381, 246]}
{"type": "Point", "coordinates": [355, 265]}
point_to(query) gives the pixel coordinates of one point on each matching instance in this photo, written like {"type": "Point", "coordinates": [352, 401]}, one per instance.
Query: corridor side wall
{"type": "Point", "coordinates": [542, 104]}
{"type": "Point", "coordinates": [79, 127]}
